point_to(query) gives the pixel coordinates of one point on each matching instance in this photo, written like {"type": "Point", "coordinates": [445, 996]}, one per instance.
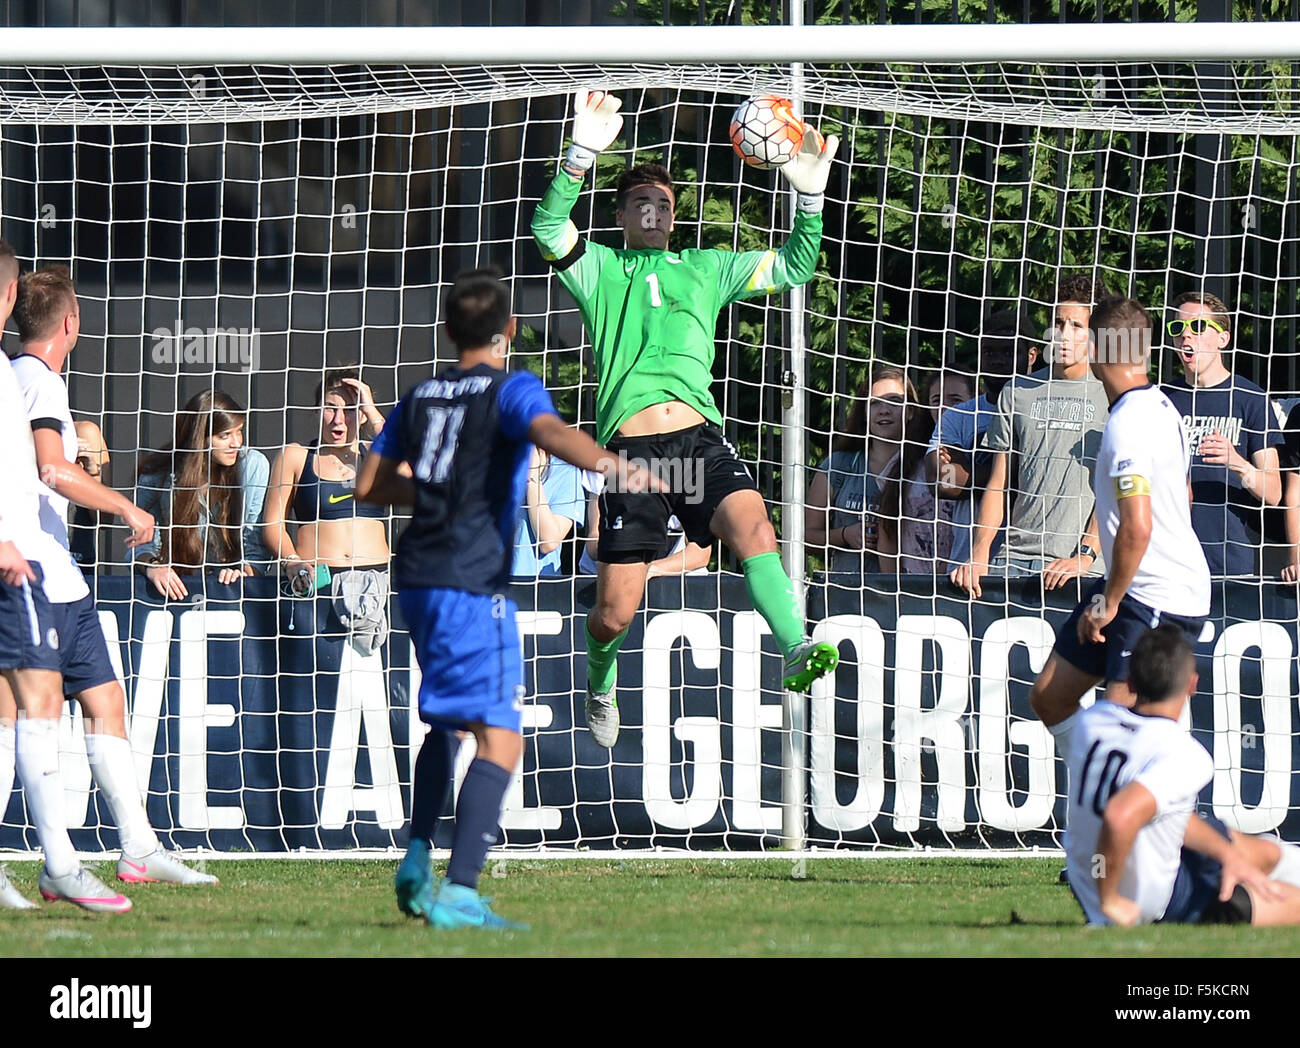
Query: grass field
{"type": "Point", "coordinates": [930, 907]}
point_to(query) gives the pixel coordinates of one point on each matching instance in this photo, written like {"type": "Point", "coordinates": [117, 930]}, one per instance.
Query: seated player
{"type": "Point", "coordinates": [1136, 851]}
{"type": "Point", "coordinates": [457, 449]}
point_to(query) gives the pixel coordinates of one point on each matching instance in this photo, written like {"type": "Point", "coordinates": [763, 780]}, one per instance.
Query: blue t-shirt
{"type": "Point", "coordinates": [854, 497]}
{"type": "Point", "coordinates": [961, 430]}
{"type": "Point", "coordinates": [562, 485]}
{"type": "Point", "coordinates": [1226, 518]}
{"type": "Point", "coordinates": [464, 434]}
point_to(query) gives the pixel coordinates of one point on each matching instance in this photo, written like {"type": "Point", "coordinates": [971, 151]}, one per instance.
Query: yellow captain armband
{"type": "Point", "coordinates": [763, 277]}
{"type": "Point", "coordinates": [1131, 484]}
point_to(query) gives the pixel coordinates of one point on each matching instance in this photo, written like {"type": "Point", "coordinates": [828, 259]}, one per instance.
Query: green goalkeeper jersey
{"type": "Point", "coordinates": [651, 314]}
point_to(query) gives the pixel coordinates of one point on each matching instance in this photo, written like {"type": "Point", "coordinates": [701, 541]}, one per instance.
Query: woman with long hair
{"type": "Point", "coordinates": [206, 491]}
{"type": "Point", "coordinates": [844, 496]}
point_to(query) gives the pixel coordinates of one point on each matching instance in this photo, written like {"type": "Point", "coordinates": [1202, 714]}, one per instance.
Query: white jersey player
{"type": "Point", "coordinates": [1155, 570]}
{"type": "Point", "coordinates": [29, 661]}
{"type": "Point", "coordinates": [1137, 852]}
{"type": "Point", "coordinates": [48, 319]}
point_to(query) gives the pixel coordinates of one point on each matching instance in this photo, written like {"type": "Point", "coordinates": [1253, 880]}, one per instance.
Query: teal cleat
{"type": "Point", "coordinates": [462, 907]}
{"type": "Point", "coordinates": [415, 881]}
{"type": "Point", "coordinates": [807, 663]}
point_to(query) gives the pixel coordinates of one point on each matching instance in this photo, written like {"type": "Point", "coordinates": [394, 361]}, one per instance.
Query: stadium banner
{"type": "Point", "coordinates": [258, 726]}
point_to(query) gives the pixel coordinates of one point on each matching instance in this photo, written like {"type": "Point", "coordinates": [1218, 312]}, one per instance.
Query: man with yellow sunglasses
{"type": "Point", "coordinates": [1233, 435]}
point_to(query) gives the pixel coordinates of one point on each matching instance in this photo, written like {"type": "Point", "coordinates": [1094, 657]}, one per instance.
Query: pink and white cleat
{"type": "Point", "coordinates": [82, 889]}
{"type": "Point", "coordinates": [159, 866]}
{"type": "Point", "coordinates": [10, 897]}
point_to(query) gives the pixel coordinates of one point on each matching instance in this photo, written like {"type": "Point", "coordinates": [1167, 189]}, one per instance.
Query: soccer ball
{"type": "Point", "coordinates": [765, 132]}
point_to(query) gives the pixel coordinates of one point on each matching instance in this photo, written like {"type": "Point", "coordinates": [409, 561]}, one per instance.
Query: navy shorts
{"type": "Point", "coordinates": [1195, 896]}
{"type": "Point", "coordinates": [1109, 661]}
{"type": "Point", "coordinates": [83, 651]}
{"type": "Point", "coordinates": [29, 636]}
{"type": "Point", "coordinates": [471, 668]}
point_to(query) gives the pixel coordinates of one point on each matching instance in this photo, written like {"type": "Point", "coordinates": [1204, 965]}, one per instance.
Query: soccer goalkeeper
{"type": "Point", "coordinates": [651, 314]}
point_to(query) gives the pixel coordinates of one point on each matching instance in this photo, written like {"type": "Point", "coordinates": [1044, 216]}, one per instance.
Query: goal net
{"type": "Point", "coordinates": [245, 227]}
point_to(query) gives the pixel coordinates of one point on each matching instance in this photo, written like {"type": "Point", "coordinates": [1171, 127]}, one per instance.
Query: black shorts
{"type": "Point", "coordinates": [29, 634]}
{"type": "Point", "coordinates": [1110, 660]}
{"type": "Point", "coordinates": [701, 468]}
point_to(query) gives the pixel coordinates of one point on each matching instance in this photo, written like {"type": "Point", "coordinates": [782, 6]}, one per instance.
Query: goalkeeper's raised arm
{"type": "Point", "coordinates": [596, 124]}
{"type": "Point", "coordinates": [650, 314]}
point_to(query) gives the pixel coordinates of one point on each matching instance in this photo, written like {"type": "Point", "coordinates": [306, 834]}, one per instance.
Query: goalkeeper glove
{"type": "Point", "coordinates": [596, 124]}
{"type": "Point", "coordinates": [810, 169]}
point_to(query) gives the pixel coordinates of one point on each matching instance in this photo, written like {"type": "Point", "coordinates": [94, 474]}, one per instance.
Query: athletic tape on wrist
{"type": "Point", "coordinates": [580, 158]}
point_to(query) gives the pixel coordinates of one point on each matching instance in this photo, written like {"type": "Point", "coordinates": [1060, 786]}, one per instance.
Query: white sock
{"type": "Point", "coordinates": [8, 755]}
{"type": "Point", "coordinates": [37, 748]}
{"type": "Point", "coordinates": [113, 769]}
{"type": "Point", "coordinates": [1288, 867]}
{"type": "Point", "coordinates": [1064, 733]}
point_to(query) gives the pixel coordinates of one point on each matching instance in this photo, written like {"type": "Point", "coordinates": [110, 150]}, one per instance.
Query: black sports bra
{"type": "Point", "coordinates": [317, 499]}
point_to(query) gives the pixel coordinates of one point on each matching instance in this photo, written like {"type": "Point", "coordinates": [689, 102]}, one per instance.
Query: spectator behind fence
{"type": "Point", "coordinates": [678, 557]}
{"type": "Point", "coordinates": [206, 491]}
{"type": "Point", "coordinates": [954, 461]}
{"type": "Point", "coordinates": [1232, 433]}
{"type": "Point", "coordinates": [1044, 438]}
{"type": "Point", "coordinates": [340, 543]}
{"type": "Point", "coordinates": [83, 531]}
{"type": "Point", "coordinates": [1289, 462]}
{"type": "Point", "coordinates": [845, 494]}
{"type": "Point", "coordinates": [910, 521]}
{"type": "Point", "coordinates": [946, 389]}
{"type": "Point", "coordinates": [554, 501]}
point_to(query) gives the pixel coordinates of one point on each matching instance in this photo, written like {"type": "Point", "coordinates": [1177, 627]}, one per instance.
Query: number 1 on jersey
{"type": "Point", "coordinates": [653, 280]}
{"type": "Point", "coordinates": [439, 444]}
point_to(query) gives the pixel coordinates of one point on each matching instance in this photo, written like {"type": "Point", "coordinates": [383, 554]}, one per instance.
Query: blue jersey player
{"type": "Point", "coordinates": [457, 449]}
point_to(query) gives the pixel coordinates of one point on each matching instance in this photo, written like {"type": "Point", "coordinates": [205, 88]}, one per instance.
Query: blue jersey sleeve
{"type": "Point", "coordinates": [391, 442]}
{"type": "Point", "coordinates": [522, 398]}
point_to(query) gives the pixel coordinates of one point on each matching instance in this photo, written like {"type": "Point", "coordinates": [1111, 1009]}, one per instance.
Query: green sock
{"type": "Point", "coordinates": [773, 595]}
{"type": "Point", "coordinates": [602, 662]}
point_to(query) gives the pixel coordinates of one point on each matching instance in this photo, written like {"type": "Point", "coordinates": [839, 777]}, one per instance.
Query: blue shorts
{"type": "Point", "coordinates": [83, 651]}
{"type": "Point", "coordinates": [1109, 661]}
{"type": "Point", "coordinates": [29, 636]}
{"type": "Point", "coordinates": [1195, 896]}
{"type": "Point", "coordinates": [467, 644]}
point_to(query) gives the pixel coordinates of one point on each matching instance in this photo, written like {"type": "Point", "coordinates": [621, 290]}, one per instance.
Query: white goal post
{"type": "Point", "coordinates": [306, 194]}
